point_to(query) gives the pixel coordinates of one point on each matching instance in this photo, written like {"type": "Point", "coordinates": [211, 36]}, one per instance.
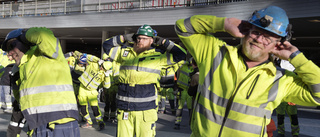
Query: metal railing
{"type": "Point", "coordinates": [61, 7]}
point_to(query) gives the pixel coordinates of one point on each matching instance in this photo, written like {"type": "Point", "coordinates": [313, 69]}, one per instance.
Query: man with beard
{"type": "Point", "coordinates": [239, 86]}
{"type": "Point", "coordinates": [141, 57]}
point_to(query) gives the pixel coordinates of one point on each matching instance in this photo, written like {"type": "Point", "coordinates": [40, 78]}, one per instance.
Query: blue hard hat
{"type": "Point", "coordinates": [12, 34]}
{"type": "Point", "coordinates": [273, 19]}
{"type": "Point", "coordinates": [83, 59]}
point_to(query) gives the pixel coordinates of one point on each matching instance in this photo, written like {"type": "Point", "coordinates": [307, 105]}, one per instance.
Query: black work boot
{"type": "Point", "coordinates": [177, 126]}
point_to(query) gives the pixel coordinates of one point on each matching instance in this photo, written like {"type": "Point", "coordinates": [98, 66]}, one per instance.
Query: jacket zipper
{"type": "Point", "coordinates": [92, 79]}
{"type": "Point", "coordinates": [252, 86]}
{"type": "Point", "coordinates": [228, 108]}
{"type": "Point", "coordinates": [263, 126]}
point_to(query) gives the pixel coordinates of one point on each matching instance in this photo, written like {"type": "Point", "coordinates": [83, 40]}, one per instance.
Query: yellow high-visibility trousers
{"type": "Point", "coordinates": [137, 123]}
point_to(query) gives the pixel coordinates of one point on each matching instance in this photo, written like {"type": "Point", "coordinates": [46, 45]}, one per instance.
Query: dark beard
{"type": "Point", "coordinates": [140, 50]}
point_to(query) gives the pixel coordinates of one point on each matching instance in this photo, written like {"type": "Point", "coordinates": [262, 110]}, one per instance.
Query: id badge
{"type": "Point", "coordinates": [125, 115]}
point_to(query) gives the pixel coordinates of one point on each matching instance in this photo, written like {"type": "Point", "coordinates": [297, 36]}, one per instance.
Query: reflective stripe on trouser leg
{"type": "Point", "coordinates": [163, 103]}
{"type": "Point", "coordinates": [178, 120]}
{"type": "Point", "coordinates": [295, 129]}
{"type": "Point", "coordinates": [87, 115]}
{"type": "Point", "coordinates": [281, 129]}
{"type": "Point", "coordinates": [9, 105]}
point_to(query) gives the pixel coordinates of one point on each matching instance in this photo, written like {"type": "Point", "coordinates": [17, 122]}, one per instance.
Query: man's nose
{"type": "Point", "coordinates": [259, 38]}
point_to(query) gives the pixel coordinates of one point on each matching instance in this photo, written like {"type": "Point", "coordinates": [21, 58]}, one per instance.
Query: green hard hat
{"type": "Point", "coordinates": [145, 30]}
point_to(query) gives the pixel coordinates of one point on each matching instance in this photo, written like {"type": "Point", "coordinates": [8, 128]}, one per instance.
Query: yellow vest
{"type": "Point", "coordinates": [46, 91]}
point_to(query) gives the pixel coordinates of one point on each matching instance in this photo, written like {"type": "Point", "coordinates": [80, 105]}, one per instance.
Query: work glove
{"type": "Point", "coordinates": [69, 54]}
{"type": "Point", "coordinates": [107, 73]}
{"type": "Point", "coordinates": [77, 54]}
{"type": "Point", "coordinates": [100, 62]}
{"type": "Point", "coordinates": [157, 41]}
{"type": "Point", "coordinates": [129, 37]}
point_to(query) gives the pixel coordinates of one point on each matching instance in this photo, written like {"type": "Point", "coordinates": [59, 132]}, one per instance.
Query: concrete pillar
{"type": "Point", "coordinates": [63, 45]}
{"type": "Point", "coordinates": [105, 35]}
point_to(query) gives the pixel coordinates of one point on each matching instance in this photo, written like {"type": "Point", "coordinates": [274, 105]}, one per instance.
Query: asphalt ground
{"type": "Point", "coordinates": [309, 121]}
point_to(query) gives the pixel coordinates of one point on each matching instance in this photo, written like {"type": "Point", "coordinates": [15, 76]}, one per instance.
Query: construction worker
{"type": "Point", "coordinates": [5, 92]}
{"type": "Point", "coordinates": [239, 86]}
{"type": "Point", "coordinates": [183, 86]}
{"type": "Point", "coordinates": [288, 107]}
{"type": "Point", "coordinates": [140, 67]}
{"type": "Point", "coordinates": [77, 63]}
{"type": "Point", "coordinates": [110, 93]}
{"type": "Point", "coordinates": [167, 83]}
{"type": "Point", "coordinates": [46, 94]}
{"type": "Point", "coordinates": [97, 71]}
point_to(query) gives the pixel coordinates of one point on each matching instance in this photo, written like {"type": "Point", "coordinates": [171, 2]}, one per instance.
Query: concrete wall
{"type": "Point", "coordinates": [168, 16]}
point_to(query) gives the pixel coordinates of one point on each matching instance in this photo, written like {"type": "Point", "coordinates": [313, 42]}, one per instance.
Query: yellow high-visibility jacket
{"type": "Point", "coordinates": [92, 77]}
{"type": "Point", "coordinates": [46, 91]}
{"type": "Point", "coordinates": [234, 100]}
{"type": "Point", "coordinates": [4, 61]}
{"type": "Point", "coordinates": [115, 73]}
{"type": "Point", "coordinates": [139, 74]}
{"type": "Point", "coordinates": [167, 75]}
{"type": "Point", "coordinates": [183, 76]}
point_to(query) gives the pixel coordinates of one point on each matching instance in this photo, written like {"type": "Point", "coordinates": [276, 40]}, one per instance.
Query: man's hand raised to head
{"type": "Point", "coordinates": [236, 27]}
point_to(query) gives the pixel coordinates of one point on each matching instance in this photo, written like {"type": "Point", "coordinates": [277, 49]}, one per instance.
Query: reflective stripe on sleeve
{"type": "Point", "coordinates": [315, 88]}
{"type": "Point", "coordinates": [114, 41]}
{"type": "Point", "coordinates": [114, 52]}
{"type": "Point", "coordinates": [169, 58]}
{"type": "Point", "coordinates": [188, 26]}
{"type": "Point", "coordinates": [21, 125]}
{"type": "Point", "coordinates": [55, 54]}
{"type": "Point", "coordinates": [171, 45]}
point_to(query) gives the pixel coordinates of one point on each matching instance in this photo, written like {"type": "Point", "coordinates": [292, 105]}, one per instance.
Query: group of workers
{"type": "Point", "coordinates": [233, 89]}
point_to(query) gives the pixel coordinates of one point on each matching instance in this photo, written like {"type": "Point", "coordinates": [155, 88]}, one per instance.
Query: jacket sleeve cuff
{"type": "Point", "coordinates": [299, 60]}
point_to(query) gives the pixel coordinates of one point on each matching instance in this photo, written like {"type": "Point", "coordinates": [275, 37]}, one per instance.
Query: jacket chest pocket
{"type": "Point", "coordinates": [149, 62]}
{"type": "Point", "coordinates": [252, 86]}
